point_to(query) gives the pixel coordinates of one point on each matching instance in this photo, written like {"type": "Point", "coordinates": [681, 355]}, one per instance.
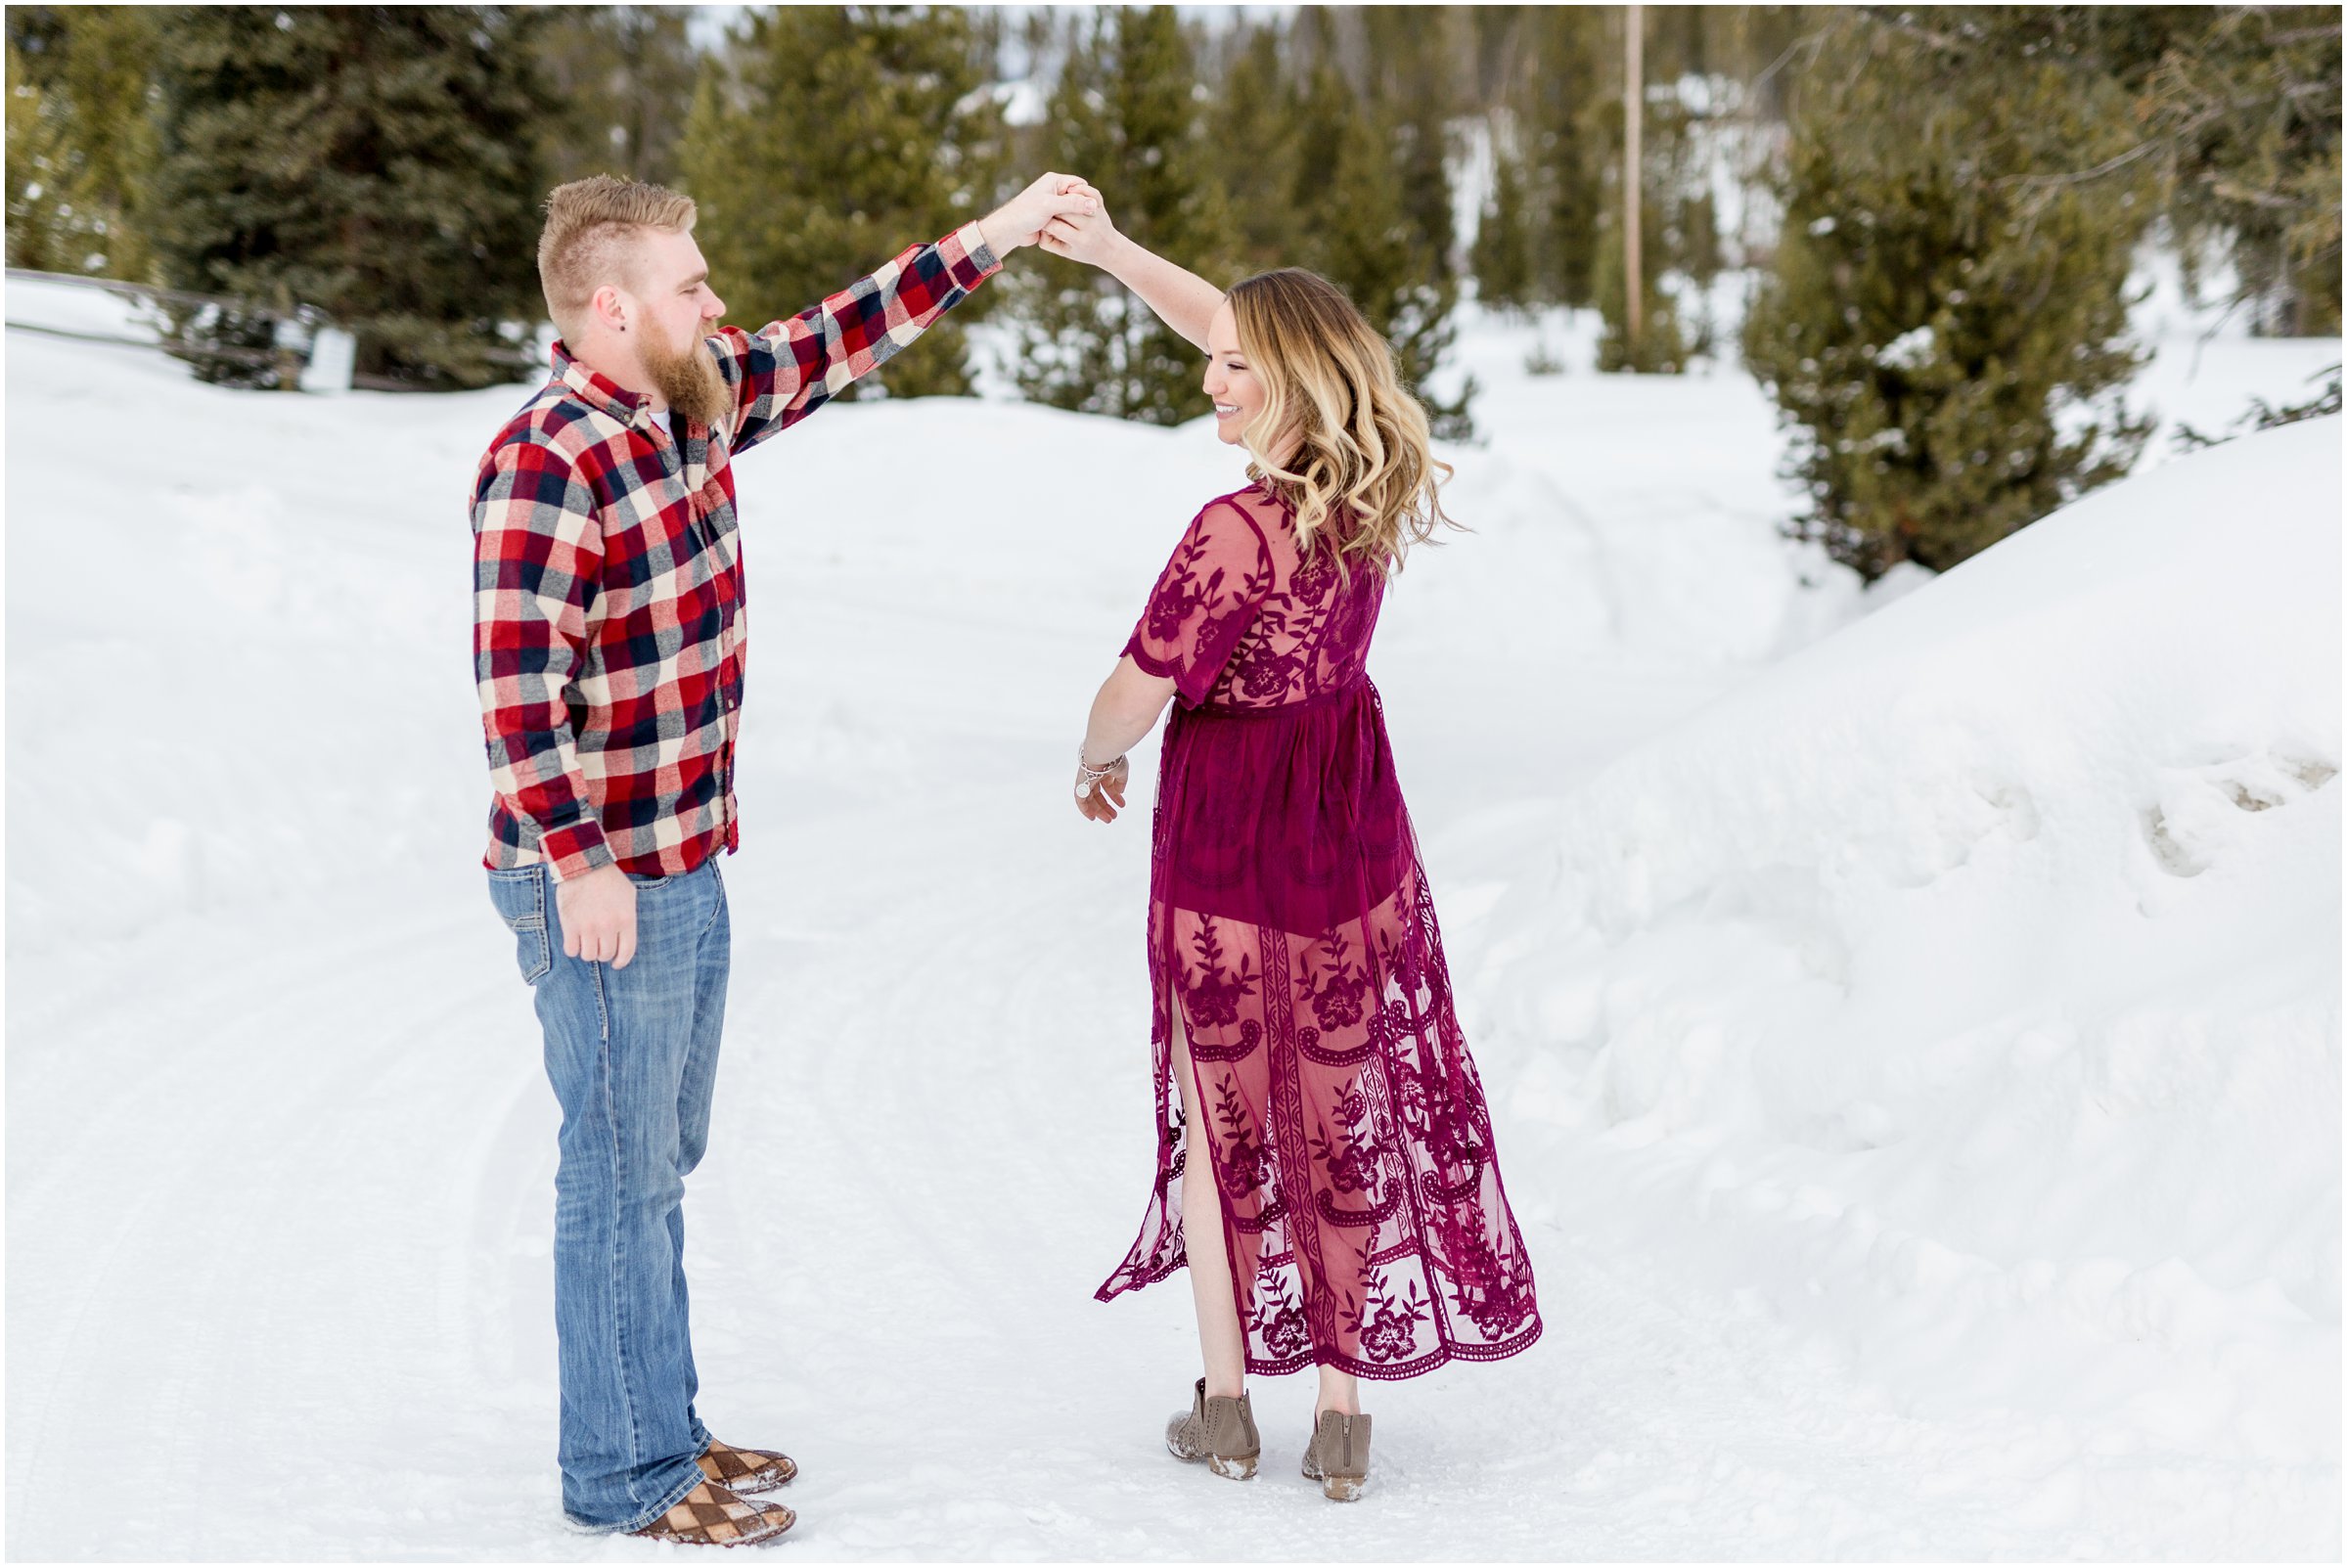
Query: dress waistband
{"type": "Point", "coordinates": [1317, 699]}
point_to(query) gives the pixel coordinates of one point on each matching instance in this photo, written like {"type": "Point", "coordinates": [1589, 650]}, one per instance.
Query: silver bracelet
{"type": "Point", "coordinates": [1092, 775]}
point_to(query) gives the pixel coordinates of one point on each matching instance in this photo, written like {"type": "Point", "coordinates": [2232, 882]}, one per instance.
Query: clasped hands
{"type": "Point", "coordinates": [1050, 208]}
{"type": "Point", "coordinates": [1061, 213]}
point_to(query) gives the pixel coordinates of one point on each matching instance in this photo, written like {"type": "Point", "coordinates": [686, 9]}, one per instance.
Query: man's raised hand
{"type": "Point", "coordinates": [1019, 220]}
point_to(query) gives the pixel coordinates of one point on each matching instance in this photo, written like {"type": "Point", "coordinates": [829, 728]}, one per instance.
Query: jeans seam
{"type": "Point", "coordinates": [618, 1276]}
{"type": "Point", "coordinates": [718, 907]}
{"type": "Point", "coordinates": [545, 954]}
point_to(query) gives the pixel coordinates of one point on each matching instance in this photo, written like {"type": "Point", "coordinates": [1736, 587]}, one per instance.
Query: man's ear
{"type": "Point", "coordinates": [610, 308]}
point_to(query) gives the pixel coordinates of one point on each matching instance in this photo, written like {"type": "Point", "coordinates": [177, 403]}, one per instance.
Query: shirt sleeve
{"type": "Point", "coordinates": [1204, 602]}
{"type": "Point", "coordinates": [537, 556]}
{"type": "Point", "coordinates": [788, 369]}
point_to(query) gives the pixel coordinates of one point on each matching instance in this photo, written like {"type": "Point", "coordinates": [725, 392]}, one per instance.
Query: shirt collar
{"type": "Point", "coordinates": [597, 392]}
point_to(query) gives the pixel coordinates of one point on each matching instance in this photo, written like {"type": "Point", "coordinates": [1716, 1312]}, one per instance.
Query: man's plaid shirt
{"type": "Point", "coordinates": [608, 622]}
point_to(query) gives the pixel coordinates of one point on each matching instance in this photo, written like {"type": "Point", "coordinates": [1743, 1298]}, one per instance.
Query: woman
{"type": "Point", "coordinates": [1344, 1209]}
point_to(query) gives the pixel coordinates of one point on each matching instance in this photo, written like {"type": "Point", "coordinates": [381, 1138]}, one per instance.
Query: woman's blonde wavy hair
{"type": "Point", "coordinates": [1365, 446]}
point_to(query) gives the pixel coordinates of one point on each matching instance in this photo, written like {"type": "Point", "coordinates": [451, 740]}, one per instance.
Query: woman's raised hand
{"type": "Point", "coordinates": [1019, 220]}
{"type": "Point", "coordinates": [1082, 237]}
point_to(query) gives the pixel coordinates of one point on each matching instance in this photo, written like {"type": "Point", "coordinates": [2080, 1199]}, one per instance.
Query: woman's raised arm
{"type": "Point", "coordinates": [1182, 299]}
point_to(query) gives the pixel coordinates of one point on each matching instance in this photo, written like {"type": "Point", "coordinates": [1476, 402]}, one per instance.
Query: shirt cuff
{"type": "Point", "coordinates": [978, 261]}
{"type": "Point", "coordinates": [574, 851]}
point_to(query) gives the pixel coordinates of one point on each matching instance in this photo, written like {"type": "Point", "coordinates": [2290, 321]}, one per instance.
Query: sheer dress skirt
{"type": "Point", "coordinates": [1346, 1129]}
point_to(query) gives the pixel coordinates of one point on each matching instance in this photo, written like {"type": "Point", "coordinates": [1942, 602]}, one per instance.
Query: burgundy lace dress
{"type": "Point", "coordinates": [1289, 919]}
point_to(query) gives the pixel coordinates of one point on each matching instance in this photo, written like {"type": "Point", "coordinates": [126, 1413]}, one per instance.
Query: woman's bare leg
{"type": "Point", "coordinates": [1220, 1342]}
{"type": "Point", "coordinates": [1340, 1392]}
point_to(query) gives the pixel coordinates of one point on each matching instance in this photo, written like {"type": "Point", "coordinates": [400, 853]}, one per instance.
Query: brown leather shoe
{"type": "Point", "coordinates": [745, 1470]}
{"type": "Point", "coordinates": [1220, 1431]}
{"type": "Point", "coordinates": [713, 1516]}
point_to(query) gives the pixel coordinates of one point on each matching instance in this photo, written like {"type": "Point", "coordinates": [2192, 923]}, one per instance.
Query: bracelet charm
{"type": "Point", "coordinates": [1092, 775]}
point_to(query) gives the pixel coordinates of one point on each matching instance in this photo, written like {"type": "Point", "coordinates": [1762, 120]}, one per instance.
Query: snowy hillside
{"type": "Point", "coordinates": [1965, 989]}
{"type": "Point", "coordinates": [1912, 1030]}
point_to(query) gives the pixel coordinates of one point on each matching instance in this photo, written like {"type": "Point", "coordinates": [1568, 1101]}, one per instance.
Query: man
{"type": "Point", "coordinates": [608, 644]}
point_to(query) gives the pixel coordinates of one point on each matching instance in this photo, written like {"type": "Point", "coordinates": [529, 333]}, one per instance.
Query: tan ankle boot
{"type": "Point", "coordinates": [1220, 1430]}
{"type": "Point", "coordinates": [1338, 1457]}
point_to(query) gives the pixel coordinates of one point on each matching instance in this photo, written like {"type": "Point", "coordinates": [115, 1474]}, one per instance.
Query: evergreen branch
{"type": "Point", "coordinates": [2302, 35]}
{"type": "Point", "coordinates": [2267, 200]}
{"type": "Point", "coordinates": [2109, 166]}
{"type": "Point", "coordinates": [1808, 41]}
{"type": "Point", "coordinates": [1897, 21]}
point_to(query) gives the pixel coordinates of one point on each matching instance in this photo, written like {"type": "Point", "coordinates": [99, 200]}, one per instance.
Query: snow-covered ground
{"type": "Point", "coordinates": [1913, 1035]}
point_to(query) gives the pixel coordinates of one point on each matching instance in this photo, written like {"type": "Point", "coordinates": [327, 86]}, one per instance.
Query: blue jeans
{"type": "Point", "coordinates": [632, 1055]}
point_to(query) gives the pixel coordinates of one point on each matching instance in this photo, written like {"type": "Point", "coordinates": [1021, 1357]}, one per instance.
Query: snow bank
{"type": "Point", "coordinates": [1967, 985]}
{"type": "Point", "coordinates": [78, 310]}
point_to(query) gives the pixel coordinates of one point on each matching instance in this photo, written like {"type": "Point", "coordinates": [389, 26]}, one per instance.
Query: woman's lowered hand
{"type": "Point", "coordinates": [1106, 794]}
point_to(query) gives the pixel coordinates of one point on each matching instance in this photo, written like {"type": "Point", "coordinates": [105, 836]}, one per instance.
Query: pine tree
{"type": "Point", "coordinates": [621, 78]}
{"type": "Point", "coordinates": [1563, 94]}
{"type": "Point", "coordinates": [45, 193]}
{"type": "Point", "coordinates": [1929, 314]}
{"type": "Point", "coordinates": [2247, 117]}
{"type": "Point", "coordinates": [375, 161]}
{"type": "Point", "coordinates": [80, 139]}
{"type": "Point", "coordinates": [2236, 111]}
{"type": "Point", "coordinates": [1558, 72]}
{"type": "Point", "coordinates": [1664, 344]}
{"type": "Point", "coordinates": [1253, 144]}
{"type": "Point", "coordinates": [1676, 237]}
{"type": "Point", "coordinates": [1125, 116]}
{"type": "Point", "coordinates": [1358, 235]}
{"type": "Point", "coordinates": [1415, 54]}
{"type": "Point", "coordinates": [1502, 257]}
{"type": "Point", "coordinates": [825, 141]}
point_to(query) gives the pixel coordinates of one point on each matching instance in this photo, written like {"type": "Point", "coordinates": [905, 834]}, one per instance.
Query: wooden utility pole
{"type": "Point", "coordinates": [1634, 96]}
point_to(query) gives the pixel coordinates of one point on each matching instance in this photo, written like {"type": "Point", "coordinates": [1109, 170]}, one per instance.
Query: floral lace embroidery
{"type": "Point", "coordinates": [1345, 1126]}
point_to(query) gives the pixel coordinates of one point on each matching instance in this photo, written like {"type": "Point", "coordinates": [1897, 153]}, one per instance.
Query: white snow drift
{"type": "Point", "coordinates": [1967, 985]}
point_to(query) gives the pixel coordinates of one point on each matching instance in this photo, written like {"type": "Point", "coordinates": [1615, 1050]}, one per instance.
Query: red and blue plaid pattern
{"type": "Point", "coordinates": [608, 615]}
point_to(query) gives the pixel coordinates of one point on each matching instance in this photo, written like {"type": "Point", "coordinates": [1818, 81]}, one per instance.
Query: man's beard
{"type": "Point", "coordinates": [689, 380]}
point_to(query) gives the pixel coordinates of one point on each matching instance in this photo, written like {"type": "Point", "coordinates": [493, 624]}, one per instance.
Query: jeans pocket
{"type": "Point", "coordinates": [520, 895]}
{"type": "Point", "coordinates": [646, 883]}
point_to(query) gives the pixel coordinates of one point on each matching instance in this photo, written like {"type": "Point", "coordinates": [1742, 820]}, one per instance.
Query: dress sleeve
{"type": "Point", "coordinates": [1204, 602]}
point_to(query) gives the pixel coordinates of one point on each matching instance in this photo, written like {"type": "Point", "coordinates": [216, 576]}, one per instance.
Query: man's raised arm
{"type": "Point", "coordinates": [788, 369]}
